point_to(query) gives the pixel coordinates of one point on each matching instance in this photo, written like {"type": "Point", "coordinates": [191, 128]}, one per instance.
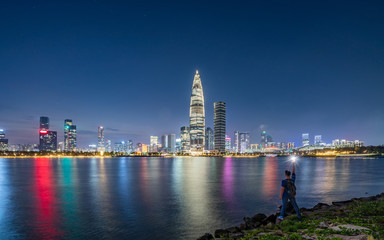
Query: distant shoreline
{"type": "Point", "coordinates": [365, 156]}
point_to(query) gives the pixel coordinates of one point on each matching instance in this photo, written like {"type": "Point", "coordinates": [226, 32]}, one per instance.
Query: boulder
{"type": "Point", "coordinates": [259, 217]}
{"type": "Point", "coordinates": [251, 223]}
{"type": "Point", "coordinates": [269, 219]}
{"type": "Point", "coordinates": [206, 236]}
{"type": "Point", "coordinates": [342, 203]}
{"type": "Point", "coordinates": [320, 206]}
{"type": "Point", "coordinates": [233, 230]}
{"type": "Point", "coordinates": [219, 233]}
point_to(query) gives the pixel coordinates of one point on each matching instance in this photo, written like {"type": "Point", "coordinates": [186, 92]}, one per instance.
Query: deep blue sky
{"type": "Point", "coordinates": [290, 66]}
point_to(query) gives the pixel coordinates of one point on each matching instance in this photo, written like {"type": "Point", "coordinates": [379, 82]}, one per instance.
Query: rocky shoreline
{"type": "Point", "coordinates": [357, 218]}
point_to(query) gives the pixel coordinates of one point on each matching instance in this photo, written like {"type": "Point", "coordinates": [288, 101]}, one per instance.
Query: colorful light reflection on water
{"type": "Point", "coordinates": [141, 198]}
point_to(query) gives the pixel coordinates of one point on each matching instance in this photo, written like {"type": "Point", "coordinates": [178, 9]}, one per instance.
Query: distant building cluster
{"type": "Point", "coordinates": [196, 138]}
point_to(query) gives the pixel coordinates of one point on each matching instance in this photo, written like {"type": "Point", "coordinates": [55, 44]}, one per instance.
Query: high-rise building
{"type": "Point", "coordinates": [236, 143]}
{"type": "Point", "coordinates": [305, 139]}
{"type": "Point", "coordinates": [185, 141]}
{"type": "Point", "coordinates": [141, 148]}
{"type": "Point", "coordinates": [123, 146]}
{"type": "Point", "coordinates": [219, 126]}
{"type": "Point", "coordinates": [290, 145]}
{"type": "Point", "coordinates": [164, 143]}
{"type": "Point", "coordinates": [154, 143]}
{"type": "Point", "coordinates": [108, 146]}
{"type": "Point", "coordinates": [44, 123]}
{"type": "Point", "coordinates": [70, 136]}
{"type": "Point", "coordinates": [263, 141]}
{"type": "Point", "coordinates": [48, 140]}
{"type": "Point", "coordinates": [3, 141]}
{"type": "Point", "coordinates": [100, 140]}
{"type": "Point", "coordinates": [244, 142]}
{"type": "Point", "coordinates": [178, 145]}
{"type": "Point", "coordinates": [317, 141]}
{"type": "Point", "coordinates": [209, 139]}
{"type": "Point", "coordinates": [197, 116]}
{"type": "Point", "coordinates": [172, 143]}
{"type": "Point", "coordinates": [227, 143]}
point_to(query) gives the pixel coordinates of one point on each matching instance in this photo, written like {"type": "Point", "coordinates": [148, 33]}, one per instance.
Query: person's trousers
{"type": "Point", "coordinates": [294, 204]}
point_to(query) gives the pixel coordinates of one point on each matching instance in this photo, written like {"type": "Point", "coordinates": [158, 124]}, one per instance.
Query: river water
{"type": "Point", "coordinates": [162, 198]}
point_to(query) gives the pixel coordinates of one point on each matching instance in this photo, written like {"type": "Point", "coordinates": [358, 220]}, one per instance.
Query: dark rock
{"type": "Point", "coordinates": [236, 235]}
{"type": "Point", "coordinates": [242, 226]}
{"type": "Point", "coordinates": [233, 230]}
{"type": "Point", "coordinates": [269, 219]}
{"type": "Point", "coordinates": [259, 217]}
{"type": "Point", "coordinates": [250, 223]}
{"type": "Point", "coordinates": [206, 236]}
{"type": "Point", "coordinates": [320, 206]}
{"type": "Point", "coordinates": [342, 203]}
{"type": "Point", "coordinates": [221, 233]}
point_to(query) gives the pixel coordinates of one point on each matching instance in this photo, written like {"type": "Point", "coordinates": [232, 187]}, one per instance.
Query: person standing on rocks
{"type": "Point", "coordinates": [288, 192]}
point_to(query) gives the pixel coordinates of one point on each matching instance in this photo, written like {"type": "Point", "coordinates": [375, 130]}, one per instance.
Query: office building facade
{"type": "Point", "coordinates": [70, 136]}
{"type": "Point", "coordinates": [209, 139]}
{"type": "Point", "coordinates": [219, 122]}
{"type": "Point", "coordinates": [197, 117]}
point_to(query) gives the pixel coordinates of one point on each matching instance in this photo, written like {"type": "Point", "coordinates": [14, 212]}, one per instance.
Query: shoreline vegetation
{"type": "Point", "coordinates": [357, 152]}
{"type": "Point", "coordinates": [354, 219]}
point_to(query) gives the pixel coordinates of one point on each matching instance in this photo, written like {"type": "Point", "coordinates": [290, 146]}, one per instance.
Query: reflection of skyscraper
{"type": "Point", "coordinates": [185, 141]}
{"type": "Point", "coordinates": [70, 142]}
{"type": "Point", "coordinates": [305, 139]}
{"type": "Point", "coordinates": [219, 126]}
{"type": "Point", "coordinates": [197, 116]}
{"type": "Point", "coordinates": [100, 140]}
{"type": "Point", "coordinates": [244, 142]}
{"type": "Point", "coordinates": [209, 139]}
{"type": "Point", "coordinates": [236, 142]}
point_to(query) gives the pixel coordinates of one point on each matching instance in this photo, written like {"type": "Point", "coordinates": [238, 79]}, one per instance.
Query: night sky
{"type": "Point", "coordinates": [286, 66]}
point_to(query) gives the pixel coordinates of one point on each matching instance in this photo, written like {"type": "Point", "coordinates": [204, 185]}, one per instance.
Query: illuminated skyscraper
{"type": "Point", "coordinates": [154, 142]}
{"type": "Point", "coordinates": [3, 141]}
{"type": "Point", "coordinates": [197, 116]}
{"type": "Point", "coordinates": [47, 139]}
{"type": "Point", "coordinates": [305, 139]}
{"type": "Point", "coordinates": [108, 146]}
{"type": "Point", "coordinates": [244, 142]}
{"type": "Point", "coordinates": [70, 142]}
{"type": "Point", "coordinates": [317, 141]}
{"type": "Point", "coordinates": [219, 126]}
{"type": "Point", "coordinates": [263, 139]}
{"type": "Point", "coordinates": [236, 142]}
{"type": "Point", "coordinates": [185, 140]}
{"type": "Point", "coordinates": [209, 139]}
{"type": "Point", "coordinates": [227, 143]}
{"type": "Point", "coordinates": [44, 123]}
{"type": "Point", "coordinates": [100, 140]}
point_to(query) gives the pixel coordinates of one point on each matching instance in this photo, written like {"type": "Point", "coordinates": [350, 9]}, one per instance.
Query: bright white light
{"type": "Point", "coordinates": [293, 158]}
{"type": "Point", "coordinates": [1, 130]}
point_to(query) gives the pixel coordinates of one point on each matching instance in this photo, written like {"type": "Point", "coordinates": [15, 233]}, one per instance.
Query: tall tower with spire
{"type": "Point", "coordinates": [197, 116]}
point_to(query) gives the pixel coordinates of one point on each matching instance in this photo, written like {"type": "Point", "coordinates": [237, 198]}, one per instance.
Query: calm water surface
{"type": "Point", "coordinates": [162, 198]}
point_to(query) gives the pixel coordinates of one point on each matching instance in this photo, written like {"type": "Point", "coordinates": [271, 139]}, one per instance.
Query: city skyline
{"type": "Point", "coordinates": [295, 73]}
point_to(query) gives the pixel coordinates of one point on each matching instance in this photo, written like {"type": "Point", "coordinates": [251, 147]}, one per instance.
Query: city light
{"type": "Point", "coordinates": [43, 131]}
{"type": "Point", "coordinates": [293, 158]}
